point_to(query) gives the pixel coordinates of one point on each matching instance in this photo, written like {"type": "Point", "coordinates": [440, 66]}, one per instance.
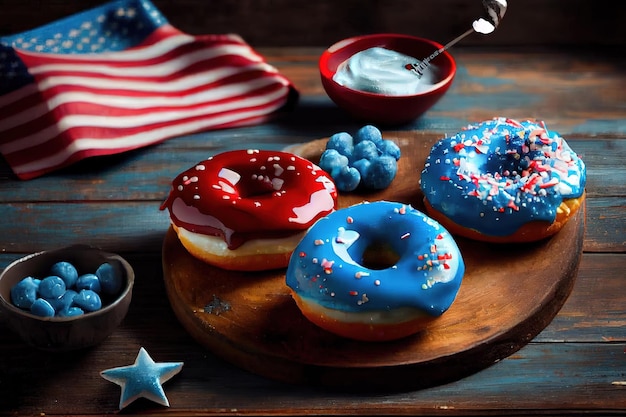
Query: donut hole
{"type": "Point", "coordinates": [256, 187]}
{"type": "Point", "coordinates": [245, 183]}
{"type": "Point", "coordinates": [379, 255]}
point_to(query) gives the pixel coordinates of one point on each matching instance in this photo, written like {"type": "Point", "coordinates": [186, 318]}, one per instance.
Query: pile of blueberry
{"type": "Point", "coordinates": [365, 159]}
{"type": "Point", "coordinates": [65, 293]}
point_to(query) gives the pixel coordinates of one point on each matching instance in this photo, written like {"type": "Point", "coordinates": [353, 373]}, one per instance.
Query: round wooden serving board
{"type": "Point", "coordinates": [508, 295]}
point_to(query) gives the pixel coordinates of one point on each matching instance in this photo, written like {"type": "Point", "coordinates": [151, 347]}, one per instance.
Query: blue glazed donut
{"type": "Point", "coordinates": [341, 281]}
{"type": "Point", "coordinates": [503, 181]}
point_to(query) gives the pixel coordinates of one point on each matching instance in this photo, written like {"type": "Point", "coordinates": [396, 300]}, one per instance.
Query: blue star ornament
{"type": "Point", "coordinates": [143, 379]}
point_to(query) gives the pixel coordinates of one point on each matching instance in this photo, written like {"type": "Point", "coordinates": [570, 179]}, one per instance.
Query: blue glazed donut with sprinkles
{"type": "Point", "coordinates": [503, 181]}
{"type": "Point", "coordinates": [375, 271]}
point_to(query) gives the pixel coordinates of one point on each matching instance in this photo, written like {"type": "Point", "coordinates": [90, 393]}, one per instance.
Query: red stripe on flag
{"type": "Point", "coordinates": [99, 104]}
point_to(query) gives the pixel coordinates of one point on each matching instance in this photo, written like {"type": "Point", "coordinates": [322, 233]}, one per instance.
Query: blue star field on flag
{"type": "Point", "coordinates": [114, 26]}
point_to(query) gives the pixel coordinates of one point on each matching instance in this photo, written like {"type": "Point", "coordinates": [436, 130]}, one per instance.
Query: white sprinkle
{"type": "Point", "coordinates": [278, 170]}
{"type": "Point", "coordinates": [277, 183]}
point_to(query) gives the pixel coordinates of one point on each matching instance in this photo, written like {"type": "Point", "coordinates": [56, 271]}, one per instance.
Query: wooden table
{"type": "Point", "coordinates": [576, 365]}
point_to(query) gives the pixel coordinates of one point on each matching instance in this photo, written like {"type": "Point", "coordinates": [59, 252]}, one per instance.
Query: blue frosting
{"type": "Point", "coordinates": [327, 264]}
{"type": "Point", "coordinates": [498, 175]}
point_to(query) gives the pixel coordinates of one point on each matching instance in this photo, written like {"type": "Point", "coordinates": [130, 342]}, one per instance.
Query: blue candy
{"type": "Point", "coordinates": [345, 153]}
{"type": "Point", "coordinates": [348, 179]}
{"type": "Point", "coordinates": [368, 132]}
{"type": "Point", "coordinates": [42, 308]}
{"type": "Point", "coordinates": [51, 287]}
{"type": "Point", "coordinates": [332, 161]}
{"type": "Point", "coordinates": [24, 293]}
{"type": "Point", "coordinates": [362, 165]}
{"type": "Point", "coordinates": [88, 300]}
{"type": "Point", "coordinates": [110, 279]}
{"type": "Point", "coordinates": [365, 150]}
{"type": "Point", "coordinates": [53, 296]}
{"type": "Point", "coordinates": [381, 172]}
{"type": "Point", "coordinates": [387, 147]}
{"type": "Point", "coordinates": [66, 271]}
{"type": "Point", "coordinates": [64, 301]}
{"type": "Point", "coordinates": [88, 282]}
{"type": "Point", "coordinates": [71, 312]}
{"type": "Point", "coordinates": [342, 142]}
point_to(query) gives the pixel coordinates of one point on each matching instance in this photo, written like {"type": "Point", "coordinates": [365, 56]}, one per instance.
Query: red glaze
{"type": "Point", "coordinates": [250, 194]}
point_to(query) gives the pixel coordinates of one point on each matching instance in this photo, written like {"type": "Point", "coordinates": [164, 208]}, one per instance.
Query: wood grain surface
{"type": "Point", "coordinates": [574, 366]}
{"type": "Point", "coordinates": [508, 295]}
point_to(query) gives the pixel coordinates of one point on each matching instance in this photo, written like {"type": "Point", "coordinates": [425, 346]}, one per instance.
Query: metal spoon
{"type": "Point", "coordinates": [495, 12]}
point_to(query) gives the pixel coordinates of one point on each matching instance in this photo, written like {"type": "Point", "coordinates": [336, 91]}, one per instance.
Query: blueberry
{"type": "Point", "coordinates": [381, 172]}
{"type": "Point", "coordinates": [362, 165]}
{"type": "Point", "coordinates": [66, 271]}
{"type": "Point", "coordinates": [368, 132]}
{"type": "Point", "coordinates": [110, 279]}
{"type": "Point", "coordinates": [342, 142]}
{"type": "Point", "coordinates": [51, 287]}
{"type": "Point", "coordinates": [347, 179]}
{"type": "Point", "coordinates": [387, 147]}
{"type": "Point", "coordinates": [332, 161]}
{"type": "Point", "coordinates": [71, 312]}
{"type": "Point", "coordinates": [42, 308]}
{"type": "Point", "coordinates": [88, 282]}
{"type": "Point", "coordinates": [88, 300]}
{"type": "Point", "coordinates": [24, 293]}
{"type": "Point", "coordinates": [366, 149]}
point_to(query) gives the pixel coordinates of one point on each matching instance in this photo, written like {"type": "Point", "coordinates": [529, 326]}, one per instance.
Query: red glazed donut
{"type": "Point", "coordinates": [247, 209]}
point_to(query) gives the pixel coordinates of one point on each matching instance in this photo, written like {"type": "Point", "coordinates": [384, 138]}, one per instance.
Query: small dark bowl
{"type": "Point", "coordinates": [65, 333]}
{"type": "Point", "coordinates": [380, 108]}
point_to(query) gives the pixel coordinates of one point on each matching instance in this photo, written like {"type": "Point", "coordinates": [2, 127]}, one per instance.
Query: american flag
{"type": "Point", "coordinates": [119, 77]}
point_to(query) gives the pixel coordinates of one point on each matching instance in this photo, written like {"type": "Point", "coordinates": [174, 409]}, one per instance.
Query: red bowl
{"type": "Point", "coordinates": [380, 108]}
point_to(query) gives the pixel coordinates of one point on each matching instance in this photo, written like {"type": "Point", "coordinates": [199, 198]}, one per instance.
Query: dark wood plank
{"type": "Point", "coordinates": [595, 309]}
{"type": "Point", "coordinates": [146, 174]}
{"type": "Point", "coordinates": [288, 22]}
{"type": "Point", "coordinates": [582, 319]}
{"type": "Point", "coordinates": [212, 386]}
